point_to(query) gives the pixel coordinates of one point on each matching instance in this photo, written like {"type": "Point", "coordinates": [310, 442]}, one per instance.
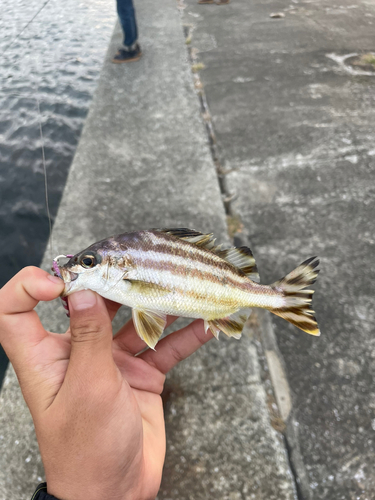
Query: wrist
{"type": "Point", "coordinates": [94, 491]}
{"type": "Point", "coordinates": [44, 493]}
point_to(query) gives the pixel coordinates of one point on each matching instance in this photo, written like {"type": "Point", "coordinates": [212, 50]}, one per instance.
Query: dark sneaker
{"type": "Point", "coordinates": [124, 56]}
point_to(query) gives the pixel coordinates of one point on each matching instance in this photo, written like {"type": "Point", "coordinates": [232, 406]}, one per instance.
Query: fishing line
{"type": "Point", "coordinates": [40, 129]}
{"type": "Point", "coordinates": [26, 26]}
{"type": "Point", "coordinates": [28, 96]}
{"type": "Point", "coordinates": [45, 178]}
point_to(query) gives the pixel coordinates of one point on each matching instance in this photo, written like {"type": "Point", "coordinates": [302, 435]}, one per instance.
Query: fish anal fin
{"type": "Point", "coordinates": [231, 325]}
{"type": "Point", "coordinates": [243, 259]}
{"type": "Point", "coordinates": [149, 325]}
{"type": "Point", "coordinates": [208, 325]}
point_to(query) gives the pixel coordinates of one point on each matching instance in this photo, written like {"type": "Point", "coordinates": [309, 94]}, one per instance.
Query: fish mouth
{"type": "Point", "coordinates": [62, 272]}
{"type": "Point", "coordinates": [69, 278]}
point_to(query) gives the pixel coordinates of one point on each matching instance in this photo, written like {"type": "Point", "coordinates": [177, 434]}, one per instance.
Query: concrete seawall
{"type": "Point", "coordinates": [143, 161]}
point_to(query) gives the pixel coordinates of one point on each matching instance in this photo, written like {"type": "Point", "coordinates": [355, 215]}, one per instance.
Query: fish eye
{"type": "Point", "coordinates": [88, 261]}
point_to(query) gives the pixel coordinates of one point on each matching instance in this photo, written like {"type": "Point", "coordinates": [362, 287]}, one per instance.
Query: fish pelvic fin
{"type": "Point", "coordinates": [297, 309]}
{"type": "Point", "coordinates": [149, 325]}
{"type": "Point", "coordinates": [231, 325]}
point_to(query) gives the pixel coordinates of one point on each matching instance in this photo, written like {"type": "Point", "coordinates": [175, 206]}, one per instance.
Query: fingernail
{"type": "Point", "coordinates": [82, 300]}
{"type": "Point", "coordinates": [55, 279]}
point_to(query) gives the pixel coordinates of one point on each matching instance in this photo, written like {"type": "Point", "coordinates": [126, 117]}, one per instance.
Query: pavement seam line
{"type": "Point", "coordinates": [233, 220]}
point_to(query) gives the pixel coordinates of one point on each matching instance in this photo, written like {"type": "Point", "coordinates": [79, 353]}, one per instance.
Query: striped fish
{"type": "Point", "coordinates": [182, 272]}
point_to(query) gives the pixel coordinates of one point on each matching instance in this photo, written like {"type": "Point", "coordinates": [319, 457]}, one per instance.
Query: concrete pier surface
{"type": "Point", "coordinates": [293, 113]}
{"type": "Point", "coordinates": [144, 161]}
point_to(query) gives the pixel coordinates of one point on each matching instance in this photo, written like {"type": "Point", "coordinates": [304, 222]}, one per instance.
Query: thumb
{"type": "Point", "coordinates": [91, 331]}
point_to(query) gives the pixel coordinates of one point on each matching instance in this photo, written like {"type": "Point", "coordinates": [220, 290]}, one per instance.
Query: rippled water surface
{"type": "Point", "coordinates": [51, 64]}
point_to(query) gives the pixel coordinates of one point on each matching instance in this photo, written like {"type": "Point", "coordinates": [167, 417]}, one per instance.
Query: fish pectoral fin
{"type": "Point", "coordinates": [231, 325]}
{"type": "Point", "coordinates": [243, 259]}
{"type": "Point", "coordinates": [192, 236]}
{"type": "Point", "coordinates": [149, 325]}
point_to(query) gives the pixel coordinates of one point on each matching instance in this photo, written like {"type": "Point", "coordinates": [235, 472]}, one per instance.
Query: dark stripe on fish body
{"type": "Point", "coordinates": [237, 281]}
{"type": "Point", "coordinates": [191, 252]}
{"type": "Point", "coordinates": [171, 245]}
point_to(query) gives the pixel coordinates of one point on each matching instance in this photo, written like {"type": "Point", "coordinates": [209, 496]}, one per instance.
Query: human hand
{"type": "Point", "coordinates": [96, 406]}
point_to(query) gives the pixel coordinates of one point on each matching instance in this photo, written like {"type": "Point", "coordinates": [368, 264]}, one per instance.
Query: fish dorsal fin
{"type": "Point", "coordinates": [149, 325]}
{"type": "Point", "coordinates": [243, 259]}
{"type": "Point", "coordinates": [232, 325]}
{"type": "Point", "coordinates": [240, 257]}
{"type": "Point", "coordinates": [192, 236]}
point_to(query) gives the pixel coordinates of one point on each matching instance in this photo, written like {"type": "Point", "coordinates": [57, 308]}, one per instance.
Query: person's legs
{"type": "Point", "coordinates": [126, 14]}
{"type": "Point", "coordinates": [131, 50]}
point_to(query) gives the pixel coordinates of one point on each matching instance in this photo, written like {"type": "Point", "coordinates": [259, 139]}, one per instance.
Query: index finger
{"type": "Point", "coordinates": [19, 323]}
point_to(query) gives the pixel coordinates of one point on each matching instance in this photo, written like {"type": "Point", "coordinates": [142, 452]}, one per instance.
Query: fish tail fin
{"type": "Point", "coordinates": [297, 300]}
